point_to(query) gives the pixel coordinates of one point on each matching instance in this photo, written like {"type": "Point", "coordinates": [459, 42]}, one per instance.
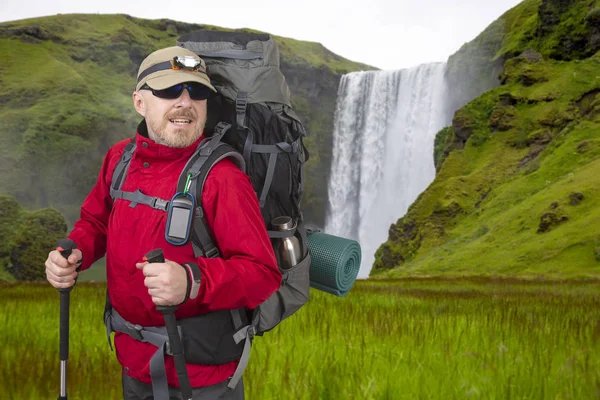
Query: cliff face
{"type": "Point", "coordinates": [314, 97]}
{"type": "Point", "coordinates": [517, 184]}
{"type": "Point", "coordinates": [559, 29]}
{"type": "Point", "coordinates": [65, 97]}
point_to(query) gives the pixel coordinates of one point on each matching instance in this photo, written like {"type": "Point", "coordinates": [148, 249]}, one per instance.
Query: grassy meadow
{"type": "Point", "coordinates": [406, 339]}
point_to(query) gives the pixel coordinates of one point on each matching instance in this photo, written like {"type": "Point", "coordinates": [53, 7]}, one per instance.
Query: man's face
{"type": "Point", "coordinates": [173, 122]}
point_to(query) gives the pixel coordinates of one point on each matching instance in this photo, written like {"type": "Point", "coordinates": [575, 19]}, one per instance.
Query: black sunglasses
{"type": "Point", "coordinates": [196, 90]}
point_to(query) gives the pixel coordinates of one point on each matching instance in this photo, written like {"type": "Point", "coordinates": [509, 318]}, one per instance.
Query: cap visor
{"type": "Point", "coordinates": [162, 80]}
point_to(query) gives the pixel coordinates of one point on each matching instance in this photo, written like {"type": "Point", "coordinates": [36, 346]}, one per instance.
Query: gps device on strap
{"type": "Point", "coordinates": [179, 219]}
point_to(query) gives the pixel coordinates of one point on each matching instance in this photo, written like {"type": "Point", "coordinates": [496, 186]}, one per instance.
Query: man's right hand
{"type": "Point", "coordinates": [60, 271]}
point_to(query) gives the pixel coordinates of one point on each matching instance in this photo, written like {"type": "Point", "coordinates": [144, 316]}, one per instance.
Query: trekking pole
{"type": "Point", "coordinates": [174, 342]}
{"type": "Point", "coordinates": [64, 246]}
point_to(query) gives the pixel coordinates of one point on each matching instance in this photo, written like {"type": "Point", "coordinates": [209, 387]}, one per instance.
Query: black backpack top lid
{"type": "Point", "coordinates": [242, 61]}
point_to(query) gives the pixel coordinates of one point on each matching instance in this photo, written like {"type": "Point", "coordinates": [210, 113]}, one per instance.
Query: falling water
{"type": "Point", "coordinates": [385, 127]}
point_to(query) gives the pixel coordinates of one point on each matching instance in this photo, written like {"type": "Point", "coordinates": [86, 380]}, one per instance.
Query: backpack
{"type": "Point", "coordinates": [252, 122]}
{"type": "Point", "coordinates": [252, 113]}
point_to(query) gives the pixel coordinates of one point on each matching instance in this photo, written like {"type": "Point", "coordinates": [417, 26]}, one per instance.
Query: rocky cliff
{"type": "Point", "coordinates": [517, 186]}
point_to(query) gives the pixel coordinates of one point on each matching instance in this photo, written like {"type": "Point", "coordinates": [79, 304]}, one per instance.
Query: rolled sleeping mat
{"type": "Point", "coordinates": [335, 262]}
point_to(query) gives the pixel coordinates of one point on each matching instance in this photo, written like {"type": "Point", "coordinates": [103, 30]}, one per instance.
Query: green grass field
{"type": "Point", "coordinates": [405, 339]}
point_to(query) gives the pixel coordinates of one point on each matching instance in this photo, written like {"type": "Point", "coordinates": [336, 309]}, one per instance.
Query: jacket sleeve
{"type": "Point", "coordinates": [246, 274]}
{"type": "Point", "coordinates": [89, 232]}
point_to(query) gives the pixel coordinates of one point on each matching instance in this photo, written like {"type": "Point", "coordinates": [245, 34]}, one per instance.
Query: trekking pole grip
{"type": "Point", "coordinates": [174, 341]}
{"type": "Point", "coordinates": [65, 247]}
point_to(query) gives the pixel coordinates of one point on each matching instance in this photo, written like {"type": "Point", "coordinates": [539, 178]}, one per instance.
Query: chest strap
{"type": "Point", "coordinates": [138, 197]}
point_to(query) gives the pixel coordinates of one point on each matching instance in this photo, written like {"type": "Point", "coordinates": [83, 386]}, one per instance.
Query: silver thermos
{"type": "Point", "coordinates": [289, 252]}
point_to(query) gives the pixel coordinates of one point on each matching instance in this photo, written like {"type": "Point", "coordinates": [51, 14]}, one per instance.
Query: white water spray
{"type": "Point", "coordinates": [384, 130]}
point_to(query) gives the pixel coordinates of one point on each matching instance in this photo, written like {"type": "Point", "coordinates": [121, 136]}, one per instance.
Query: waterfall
{"type": "Point", "coordinates": [384, 129]}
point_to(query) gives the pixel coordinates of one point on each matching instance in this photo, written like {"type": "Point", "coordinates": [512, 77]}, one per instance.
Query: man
{"type": "Point", "coordinates": [171, 94]}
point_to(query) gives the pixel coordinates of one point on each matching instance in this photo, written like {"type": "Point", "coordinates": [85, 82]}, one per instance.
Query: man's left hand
{"type": "Point", "coordinates": [166, 282]}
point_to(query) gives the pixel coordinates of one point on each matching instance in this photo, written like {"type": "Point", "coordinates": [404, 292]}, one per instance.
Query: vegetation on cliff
{"type": "Point", "coordinates": [517, 190]}
{"type": "Point", "coordinates": [26, 240]}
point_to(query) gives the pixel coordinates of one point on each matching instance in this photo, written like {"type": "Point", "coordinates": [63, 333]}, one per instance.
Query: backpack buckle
{"type": "Point", "coordinates": [241, 102]}
{"type": "Point", "coordinates": [161, 204]}
{"type": "Point", "coordinates": [212, 252]}
{"type": "Point", "coordinates": [135, 331]}
{"type": "Point", "coordinates": [251, 332]}
{"type": "Point", "coordinates": [221, 128]}
{"type": "Point", "coordinates": [295, 146]}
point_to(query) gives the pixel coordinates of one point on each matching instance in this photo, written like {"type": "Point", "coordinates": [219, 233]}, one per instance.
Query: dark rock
{"type": "Point", "coordinates": [558, 119]}
{"type": "Point", "coordinates": [386, 258]}
{"type": "Point", "coordinates": [583, 146]}
{"type": "Point", "coordinates": [530, 77]}
{"type": "Point", "coordinates": [33, 33]}
{"type": "Point", "coordinates": [593, 22]}
{"type": "Point", "coordinates": [406, 229]}
{"type": "Point", "coordinates": [483, 197]}
{"type": "Point", "coordinates": [595, 42]}
{"type": "Point", "coordinates": [588, 104]}
{"type": "Point", "coordinates": [29, 39]}
{"type": "Point", "coordinates": [531, 56]}
{"type": "Point", "coordinates": [451, 211]}
{"type": "Point", "coordinates": [575, 198]}
{"type": "Point", "coordinates": [533, 153]}
{"type": "Point", "coordinates": [549, 220]}
{"type": "Point", "coordinates": [502, 118]}
{"type": "Point", "coordinates": [549, 13]}
{"type": "Point", "coordinates": [463, 129]}
{"type": "Point", "coordinates": [442, 147]}
{"type": "Point", "coordinates": [554, 205]}
{"type": "Point", "coordinates": [575, 39]}
{"type": "Point", "coordinates": [542, 137]}
{"type": "Point", "coordinates": [508, 99]}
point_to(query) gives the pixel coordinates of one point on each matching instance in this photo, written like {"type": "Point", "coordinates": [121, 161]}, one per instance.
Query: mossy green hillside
{"type": "Point", "coordinates": [557, 29]}
{"type": "Point", "coordinates": [65, 97]}
{"type": "Point", "coordinates": [518, 191]}
{"type": "Point", "coordinates": [25, 239]}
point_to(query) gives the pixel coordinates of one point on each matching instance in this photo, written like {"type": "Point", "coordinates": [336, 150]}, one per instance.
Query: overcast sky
{"type": "Point", "coordinates": [388, 34]}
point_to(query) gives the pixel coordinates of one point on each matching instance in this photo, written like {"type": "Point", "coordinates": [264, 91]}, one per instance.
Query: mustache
{"type": "Point", "coordinates": [187, 114]}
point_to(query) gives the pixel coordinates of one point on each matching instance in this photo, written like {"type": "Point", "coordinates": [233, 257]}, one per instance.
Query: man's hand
{"type": "Point", "coordinates": [60, 271]}
{"type": "Point", "coordinates": [166, 282]}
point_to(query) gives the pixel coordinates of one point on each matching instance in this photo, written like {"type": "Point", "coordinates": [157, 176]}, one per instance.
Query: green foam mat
{"type": "Point", "coordinates": [335, 262]}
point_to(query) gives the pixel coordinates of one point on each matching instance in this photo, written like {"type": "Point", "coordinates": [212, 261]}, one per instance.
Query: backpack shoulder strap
{"type": "Point", "coordinates": [209, 152]}
{"type": "Point", "coordinates": [120, 172]}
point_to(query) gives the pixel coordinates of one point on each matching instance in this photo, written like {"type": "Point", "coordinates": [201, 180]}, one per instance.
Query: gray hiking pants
{"type": "Point", "coordinates": [136, 390]}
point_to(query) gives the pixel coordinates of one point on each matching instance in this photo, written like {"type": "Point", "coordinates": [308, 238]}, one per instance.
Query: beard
{"type": "Point", "coordinates": [166, 133]}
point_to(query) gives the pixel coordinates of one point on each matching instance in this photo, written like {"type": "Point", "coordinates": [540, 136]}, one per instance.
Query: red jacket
{"type": "Point", "coordinates": [245, 276]}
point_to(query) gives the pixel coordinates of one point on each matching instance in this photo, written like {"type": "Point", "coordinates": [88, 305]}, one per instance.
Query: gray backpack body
{"type": "Point", "coordinates": [252, 113]}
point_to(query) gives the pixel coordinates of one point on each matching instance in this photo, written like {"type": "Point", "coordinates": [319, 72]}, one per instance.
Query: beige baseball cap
{"type": "Point", "coordinates": [171, 66]}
